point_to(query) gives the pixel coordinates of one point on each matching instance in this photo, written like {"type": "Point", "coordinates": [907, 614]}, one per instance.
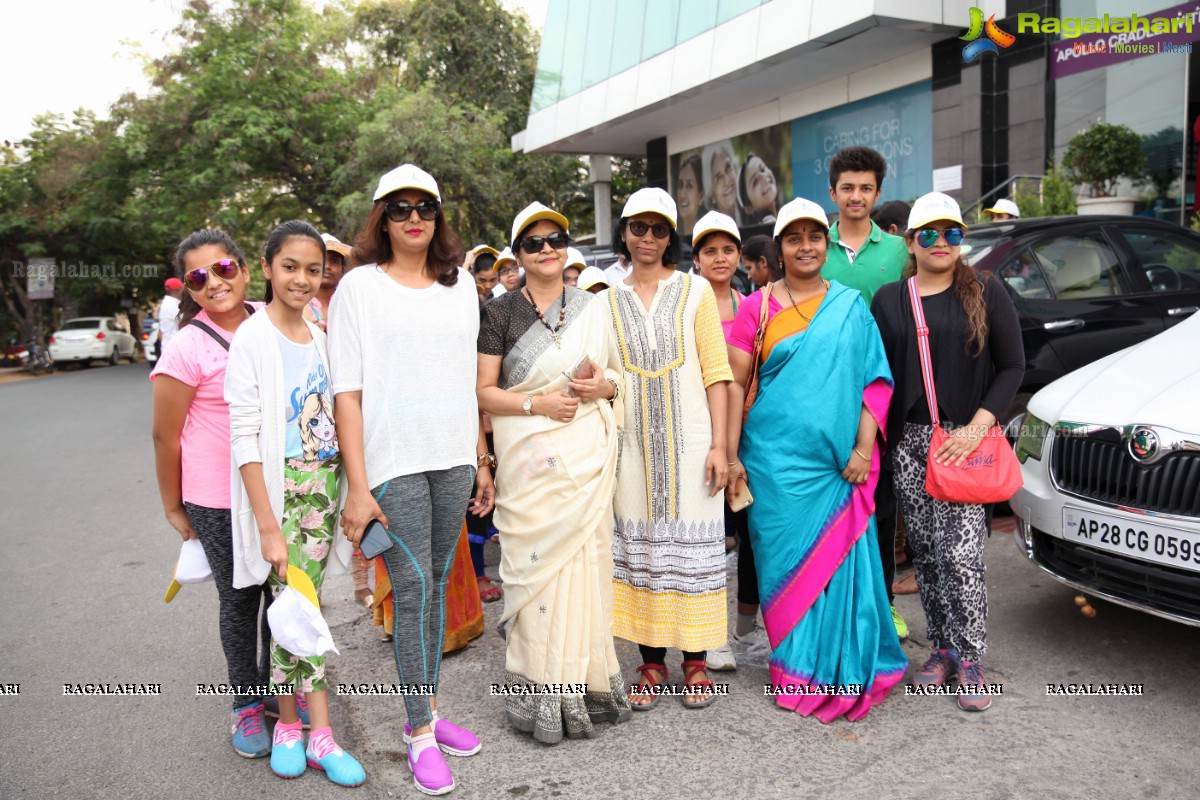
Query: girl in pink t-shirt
{"type": "Point", "coordinates": [192, 459]}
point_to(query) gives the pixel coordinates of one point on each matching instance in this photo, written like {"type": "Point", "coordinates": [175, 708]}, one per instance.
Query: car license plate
{"type": "Point", "coordinates": [1137, 538]}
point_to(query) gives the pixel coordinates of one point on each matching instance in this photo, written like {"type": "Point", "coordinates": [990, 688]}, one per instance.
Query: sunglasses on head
{"type": "Point", "coordinates": [927, 237]}
{"type": "Point", "coordinates": [661, 230]}
{"type": "Point", "coordinates": [224, 269]}
{"type": "Point", "coordinates": [401, 210]}
{"type": "Point", "coordinates": [534, 244]}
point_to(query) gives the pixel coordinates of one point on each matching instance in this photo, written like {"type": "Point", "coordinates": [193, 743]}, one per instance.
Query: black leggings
{"type": "Point", "coordinates": [243, 615]}
{"type": "Point", "coordinates": [658, 655]}
{"type": "Point", "coordinates": [737, 523]}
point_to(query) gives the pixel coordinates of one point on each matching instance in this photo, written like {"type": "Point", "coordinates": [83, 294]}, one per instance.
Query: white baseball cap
{"type": "Point", "coordinates": [712, 222]}
{"type": "Point", "coordinates": [650, 200]}
{"type": "Point", "coordinates": [1004, 207]}
{"type": "Point", "coordinates": [483, 248]}
{"type": "Point", "coordinates": [592, 276]}
{"type": "Point", "coordinates": [534, 212]}
{"type": "Point", "coordinates": [799, 209]}
{"type": "Point", "coordinates": [932, 207]}
{"type": "Point", "coordinates": [503, 256]}
{"type": "Point", "coordinates": [575, 259]}
{"type": "Point", "coordinates": [332, 243]}
{"type": "Point", "coordinates": [406, 176]}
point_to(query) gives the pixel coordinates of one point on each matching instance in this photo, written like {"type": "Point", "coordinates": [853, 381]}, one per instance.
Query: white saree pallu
{"type": "Point", "coordinates": [555, 486]}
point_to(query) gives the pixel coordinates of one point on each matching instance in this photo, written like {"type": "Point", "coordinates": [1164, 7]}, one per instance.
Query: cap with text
{"type": "Point", "coordinates": [933, 207]}
{"type": "Point", "coordinates": [650, 200]}
{"type": "Point", "coordinates": [407, 176]}
{"type": "Point", "coordinates": [797, 210]}
{"type": "Point", "coordinates": [715, 222]}
{"type": "Point", "coordinates": [532, 213]}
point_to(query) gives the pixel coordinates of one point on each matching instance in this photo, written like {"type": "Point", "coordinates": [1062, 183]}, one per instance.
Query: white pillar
{"type": "Point", "coordinates": [600, 174]}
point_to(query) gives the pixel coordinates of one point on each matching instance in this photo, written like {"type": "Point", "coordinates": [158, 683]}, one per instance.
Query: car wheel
{"type": "Point", "coordinates": [113, 357]}
{"type": "Point", "coordinates": [133, 354]}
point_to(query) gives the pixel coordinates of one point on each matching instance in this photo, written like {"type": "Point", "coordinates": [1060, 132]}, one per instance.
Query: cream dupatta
{"type": "Point", "coordinates": [554, 512]}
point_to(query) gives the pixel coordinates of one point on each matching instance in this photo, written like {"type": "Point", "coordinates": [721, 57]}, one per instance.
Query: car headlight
{"type": "Point", "coordinates": [1032, 438]}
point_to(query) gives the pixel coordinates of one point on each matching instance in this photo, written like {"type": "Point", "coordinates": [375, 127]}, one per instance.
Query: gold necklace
{"type": "Point", "coordinates": [788, 289]}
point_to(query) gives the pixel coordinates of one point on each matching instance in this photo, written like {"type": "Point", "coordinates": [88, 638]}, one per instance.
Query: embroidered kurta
{"type": "Point", "coordinates": [669, 543]}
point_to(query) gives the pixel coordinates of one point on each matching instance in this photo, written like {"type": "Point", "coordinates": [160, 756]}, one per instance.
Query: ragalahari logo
{"type": "Point", "coordinates": [995, 36]}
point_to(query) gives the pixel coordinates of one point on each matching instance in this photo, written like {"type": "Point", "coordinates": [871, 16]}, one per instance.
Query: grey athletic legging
{"type": "Point", "coordinates": [243, 612]}
{"type": "Point", "coordinates": [425, 518]}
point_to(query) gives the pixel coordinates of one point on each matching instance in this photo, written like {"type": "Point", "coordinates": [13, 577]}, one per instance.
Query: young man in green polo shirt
{"type": "Point", "coordinates": [864, 257]}
{"type": "Point", "coordinates": [860, 254]}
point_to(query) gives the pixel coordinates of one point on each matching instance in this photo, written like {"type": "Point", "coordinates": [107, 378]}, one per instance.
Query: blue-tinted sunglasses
{"type": "Point", "coordinates": [927, 237]}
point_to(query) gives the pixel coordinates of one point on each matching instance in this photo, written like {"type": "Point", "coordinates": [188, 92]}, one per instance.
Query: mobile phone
{"type": "Point", "coordinates": [582, 371]}
{"type": "Point", "coordinates": [740, 498]}
{"type": "Point", "coordinates": [375, 540]}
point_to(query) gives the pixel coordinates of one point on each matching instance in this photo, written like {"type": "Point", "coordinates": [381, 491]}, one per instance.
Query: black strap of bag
{"type": "Point", "coordinates": [216, 336]}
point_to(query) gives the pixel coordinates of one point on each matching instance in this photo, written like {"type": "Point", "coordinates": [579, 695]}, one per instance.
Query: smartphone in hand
{"type": "Point", "coordinates": [375, 540]}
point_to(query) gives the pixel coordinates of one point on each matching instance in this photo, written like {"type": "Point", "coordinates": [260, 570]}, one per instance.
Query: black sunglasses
{"type": "Point", "coordinates": [400, 210]}
{"type": "Point", "coordinates": [661, 230]}
{"type": "Point", "coordinates": [534, 244]}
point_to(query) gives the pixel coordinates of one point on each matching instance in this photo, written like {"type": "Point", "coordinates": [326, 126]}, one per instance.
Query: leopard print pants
{"type": "Point", "coordinates": [947, 543]}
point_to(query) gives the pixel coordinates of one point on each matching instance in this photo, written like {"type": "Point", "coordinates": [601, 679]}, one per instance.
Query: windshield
{"type": "Point", "coordinates": [977, 245]}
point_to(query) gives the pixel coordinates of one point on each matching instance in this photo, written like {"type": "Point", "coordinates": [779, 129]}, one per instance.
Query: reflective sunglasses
{"type": "Point", "coordinates": [661, 230]}
{"type": "Point", "coordinates": [224, 269]}
{"type": "Point", "coordinates": [927, 237]}
{"type": "Point", "coordinates": [400, 210]}
{"type": "Point", "coordinates": [534, 244]}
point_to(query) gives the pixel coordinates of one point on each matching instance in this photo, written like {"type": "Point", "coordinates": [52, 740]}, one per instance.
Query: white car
{"type": "Point", "coordinates": [1111, 459]}
{"type": "Point", "coordinates": [92, 339]}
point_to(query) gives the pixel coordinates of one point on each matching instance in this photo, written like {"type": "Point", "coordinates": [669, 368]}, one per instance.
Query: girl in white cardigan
{"type": "Point", "coordinates": [285, 492]}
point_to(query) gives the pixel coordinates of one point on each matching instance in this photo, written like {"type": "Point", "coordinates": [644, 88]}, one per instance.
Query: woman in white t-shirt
{"type": "Point", "coordinates": [402, 334]}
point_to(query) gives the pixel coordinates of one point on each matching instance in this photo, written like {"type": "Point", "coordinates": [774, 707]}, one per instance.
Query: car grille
{"type": "Point", "coordinates": [1099, 468]}
{"type": "Point", "coordinates": [1167, 589]}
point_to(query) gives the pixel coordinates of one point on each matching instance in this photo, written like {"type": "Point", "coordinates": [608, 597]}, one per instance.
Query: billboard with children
{"type": "Point", "coordinates": [750, 176]}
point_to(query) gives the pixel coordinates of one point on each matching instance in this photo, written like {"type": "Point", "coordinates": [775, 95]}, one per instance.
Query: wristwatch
{"type": "Point", "coordinates": [527, 406]}
{"type": "Point", "coordinates": [487, 459]}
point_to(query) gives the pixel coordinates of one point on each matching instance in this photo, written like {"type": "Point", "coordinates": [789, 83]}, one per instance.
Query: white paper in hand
{"type": "Point", "coordinates": [297, 625]}
{"type": "Point", "coordinates": [192, 566]}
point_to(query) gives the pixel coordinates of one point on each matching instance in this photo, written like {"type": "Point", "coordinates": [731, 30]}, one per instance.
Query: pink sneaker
{"type": "Point", "coordinates": [431, 775]}
{"type": "Point", "coordinates": [454, 740]}
{"type": "Point", "coordinates": [941, 667]}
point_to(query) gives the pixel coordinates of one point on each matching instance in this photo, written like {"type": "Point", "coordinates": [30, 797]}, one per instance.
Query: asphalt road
{"type": "Point", "coordinates": [87, 557]}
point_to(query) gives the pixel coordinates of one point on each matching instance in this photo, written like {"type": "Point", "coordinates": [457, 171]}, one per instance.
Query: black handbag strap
{"type": "Point", "coordinates": [216, 336]}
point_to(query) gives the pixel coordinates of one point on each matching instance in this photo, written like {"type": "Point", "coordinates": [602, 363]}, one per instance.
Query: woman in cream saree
{"type": "Point", "coordinates": [556, 460]}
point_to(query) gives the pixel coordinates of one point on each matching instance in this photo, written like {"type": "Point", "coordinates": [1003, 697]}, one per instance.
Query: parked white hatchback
{"type": "Point", "coordinates": [92, 339]}
{"type": "Point", "coordinates": [1111, 459]}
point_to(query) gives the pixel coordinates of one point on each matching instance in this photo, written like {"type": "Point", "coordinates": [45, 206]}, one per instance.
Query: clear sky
{"type": "Point", "coordinates": [65, 54]}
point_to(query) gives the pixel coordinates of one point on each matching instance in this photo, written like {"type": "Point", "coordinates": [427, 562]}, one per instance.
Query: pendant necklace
{"type": "Point", "coordinates": [562, 315]}
{"type": "Point", "coordinates": [788, 289]}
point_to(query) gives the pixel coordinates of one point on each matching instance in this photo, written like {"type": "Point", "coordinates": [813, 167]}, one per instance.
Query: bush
{"type": "Point", "coordinates": [1057, 196]}
{"type": "Point", "coordinates": [1103, 154]}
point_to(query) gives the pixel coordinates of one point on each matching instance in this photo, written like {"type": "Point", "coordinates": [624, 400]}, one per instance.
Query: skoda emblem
{"type": "Point", "coordinates": [1143, 444]}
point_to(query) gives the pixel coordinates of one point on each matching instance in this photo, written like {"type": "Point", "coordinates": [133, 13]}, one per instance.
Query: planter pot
{"type": "Point", "coordinates": [1106, 205]}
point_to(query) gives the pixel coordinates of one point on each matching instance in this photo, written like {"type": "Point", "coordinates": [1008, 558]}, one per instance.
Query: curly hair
{"type": "Point", "coordinates": [968, 289]}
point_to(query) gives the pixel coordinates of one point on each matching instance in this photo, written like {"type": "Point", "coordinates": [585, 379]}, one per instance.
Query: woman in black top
{"type": "Point", "coordinates": [978, 365]}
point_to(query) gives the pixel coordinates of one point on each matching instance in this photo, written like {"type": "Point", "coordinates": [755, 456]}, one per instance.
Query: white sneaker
{"type": "Point", "coordinates": [753, 649]}
{"type": "Point", "coordinates": [721, 659]}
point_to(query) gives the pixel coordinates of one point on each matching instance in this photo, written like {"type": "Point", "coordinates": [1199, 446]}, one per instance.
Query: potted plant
{"type": "Point", "coordinates": [1099, 157]}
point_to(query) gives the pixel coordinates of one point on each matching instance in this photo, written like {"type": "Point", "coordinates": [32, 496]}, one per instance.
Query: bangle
{"type": "Point", "coordinates": [616, 390]}
{"type": "Point", "coordinates": [486, 459]}
{"type": "Point", "coordinates": [860, 455]}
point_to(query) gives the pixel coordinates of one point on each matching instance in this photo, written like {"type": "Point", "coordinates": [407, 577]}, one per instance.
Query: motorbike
{"type": "Point", "coordinates": [31, 356]}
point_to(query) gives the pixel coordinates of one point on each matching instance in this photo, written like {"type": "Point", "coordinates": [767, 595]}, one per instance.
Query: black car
{"type": "Point", "coordinates": [1087, 286]}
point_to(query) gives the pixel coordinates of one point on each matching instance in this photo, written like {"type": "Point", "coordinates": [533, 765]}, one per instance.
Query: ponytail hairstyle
{"type": "Point", "coordinates": [968, 289]}
{"type": "Point", "coordinates": [761, 246]}
{"type": "Point", "coordinates": [277, 238]}
{"type": "Point", "coordinates": [188, 307]}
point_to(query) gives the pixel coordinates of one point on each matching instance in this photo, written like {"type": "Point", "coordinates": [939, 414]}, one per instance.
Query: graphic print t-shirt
{"type": "Point", "coordinates": [308, 403]}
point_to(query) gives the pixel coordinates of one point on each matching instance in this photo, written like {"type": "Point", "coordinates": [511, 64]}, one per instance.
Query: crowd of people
{"type": "Point", "coordinates": [620, 431]}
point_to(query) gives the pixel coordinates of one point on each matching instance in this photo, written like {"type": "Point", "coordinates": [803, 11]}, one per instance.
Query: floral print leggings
{"type": "Point", "coordinates": [310, 504]}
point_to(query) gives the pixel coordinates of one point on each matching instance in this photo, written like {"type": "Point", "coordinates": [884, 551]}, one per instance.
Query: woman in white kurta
{"type": "Point", "coordinates": [669, 547]}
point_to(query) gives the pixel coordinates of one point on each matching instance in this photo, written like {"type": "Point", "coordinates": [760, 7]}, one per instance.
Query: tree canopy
{"type": "Point", "coordinates": [267, 110]}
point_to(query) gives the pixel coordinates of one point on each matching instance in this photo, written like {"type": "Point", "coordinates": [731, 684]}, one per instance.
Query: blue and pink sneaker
{"type": "Point", "coordinates": [287, 751]}
{"type": "Point", "coordinates": [249, 735]}
{"type": "Point", "coordinates": [341, 767]}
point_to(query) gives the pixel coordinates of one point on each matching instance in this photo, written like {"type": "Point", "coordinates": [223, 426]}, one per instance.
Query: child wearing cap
{"type": "Point", "coordinates": [978, 363]}
{"type": "Point", "coordinates": [669, 547]}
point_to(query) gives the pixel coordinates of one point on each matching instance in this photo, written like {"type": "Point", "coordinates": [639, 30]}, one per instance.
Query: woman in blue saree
{"type": "Point", "coordinates": [808, 452]}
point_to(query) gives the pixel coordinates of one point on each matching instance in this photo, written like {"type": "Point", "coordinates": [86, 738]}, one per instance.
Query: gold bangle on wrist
{"type": "Point", "coordinates": [860, 455]}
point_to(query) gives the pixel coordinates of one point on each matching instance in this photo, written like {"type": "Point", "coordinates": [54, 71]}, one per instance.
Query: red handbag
{"type": "Point", "coordinates": [992, 473]}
